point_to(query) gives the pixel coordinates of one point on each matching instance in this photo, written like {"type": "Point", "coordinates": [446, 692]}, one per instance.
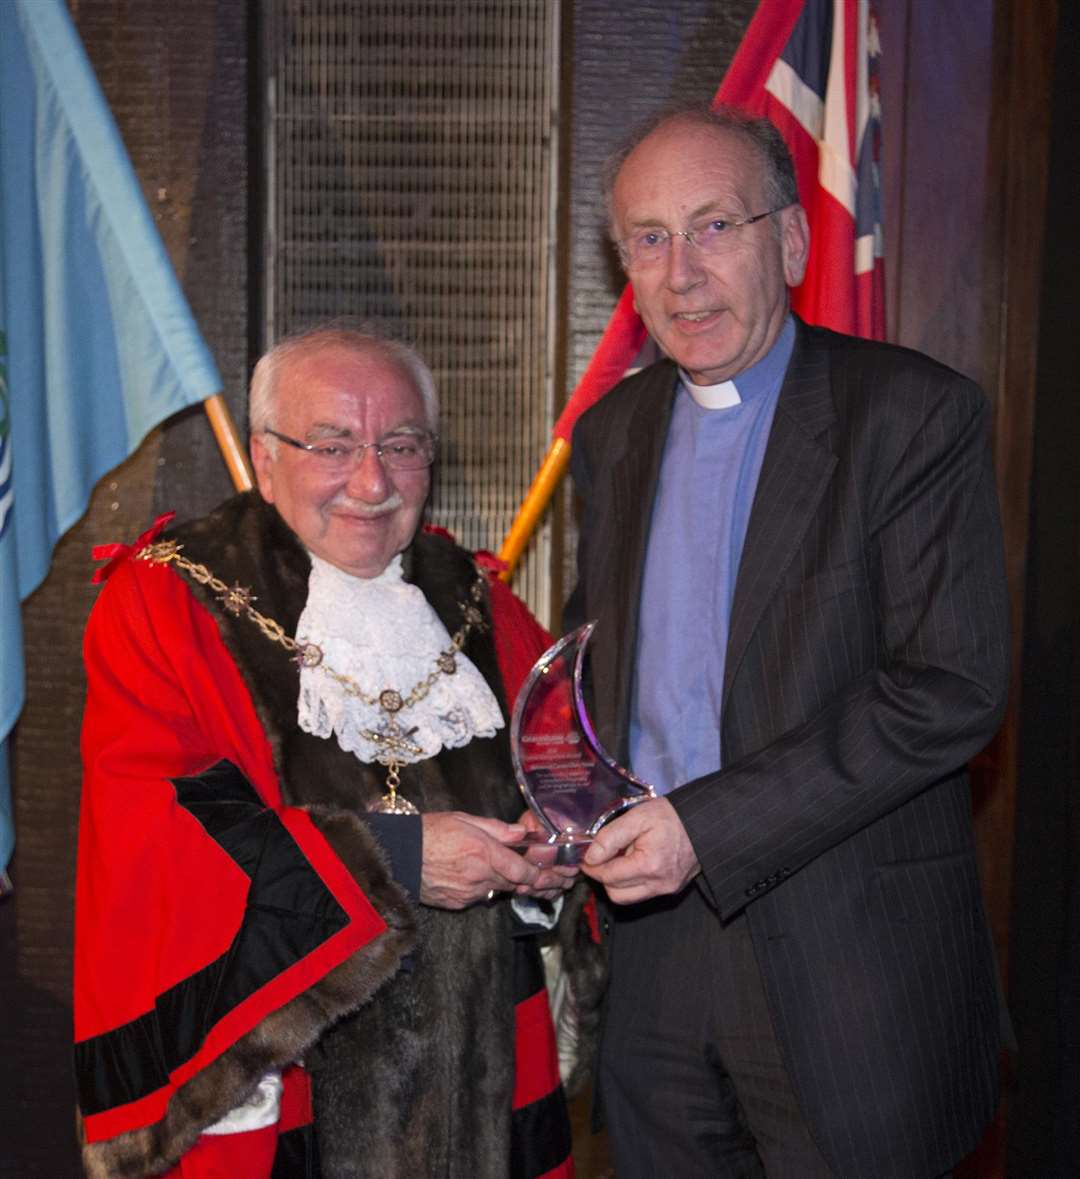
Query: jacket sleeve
{"type": "Point", "coordinates": [218, 932]}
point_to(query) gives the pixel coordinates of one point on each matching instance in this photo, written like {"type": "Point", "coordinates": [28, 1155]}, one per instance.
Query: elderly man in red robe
{"type": "Point", "coordinates": [300, 944]}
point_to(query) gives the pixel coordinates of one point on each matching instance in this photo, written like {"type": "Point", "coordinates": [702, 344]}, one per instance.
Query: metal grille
{"type": "Point", "coordinates": [411, 181]}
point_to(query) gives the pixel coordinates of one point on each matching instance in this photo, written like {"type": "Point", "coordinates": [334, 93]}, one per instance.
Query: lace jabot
{"type": "Point", "coordinates": [382, 633]}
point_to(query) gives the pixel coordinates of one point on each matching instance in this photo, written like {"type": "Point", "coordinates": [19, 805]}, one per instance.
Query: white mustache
{"type": "Point", "coordinates": [357, 507]}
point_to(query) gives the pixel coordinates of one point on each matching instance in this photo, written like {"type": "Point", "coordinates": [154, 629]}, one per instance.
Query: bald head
{"type": "Point", "coordinates": [760, 135]}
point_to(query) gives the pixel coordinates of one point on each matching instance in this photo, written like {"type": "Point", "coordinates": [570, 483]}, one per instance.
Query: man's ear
{"type": "Point", "coordinates": [263, 462]}
{"type": "Point", "coordinates": [794, 243]}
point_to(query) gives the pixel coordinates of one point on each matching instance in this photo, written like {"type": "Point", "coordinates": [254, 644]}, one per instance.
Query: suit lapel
{"type": "Point", "coordinates": [634, 478]}
{"type": "Point", "coordinates": [794, 474]}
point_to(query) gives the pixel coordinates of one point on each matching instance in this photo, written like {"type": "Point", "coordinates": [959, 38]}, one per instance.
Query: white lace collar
{"type": "Point", "coordinates": [383, 633]}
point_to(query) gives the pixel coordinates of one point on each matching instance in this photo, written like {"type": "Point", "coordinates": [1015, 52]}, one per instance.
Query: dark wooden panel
{"type": "Point", "coordinates": [936, 91]}
{"type": "Point", "coordinates": [1020, 137]}
{"type": "Point", "coordinates": [1044, 982]}
{"type": "Point", "coordinates": [966, 94]}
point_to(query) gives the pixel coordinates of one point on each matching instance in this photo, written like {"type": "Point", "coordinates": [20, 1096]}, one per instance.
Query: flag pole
{"type": "Point", "coordinates": [616, 351]}
{"type": "Point", "coordinates": [532, 507]}
{"type": "Point", "coordinates": [228, 440]}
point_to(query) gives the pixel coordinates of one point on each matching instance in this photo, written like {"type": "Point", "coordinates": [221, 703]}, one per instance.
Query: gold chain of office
{"type": "Point", "coordinates": [390, 738]}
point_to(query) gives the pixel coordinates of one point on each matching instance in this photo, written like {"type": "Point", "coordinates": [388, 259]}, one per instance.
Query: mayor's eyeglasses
{"type": "Point", "coordinates": [403, 450]}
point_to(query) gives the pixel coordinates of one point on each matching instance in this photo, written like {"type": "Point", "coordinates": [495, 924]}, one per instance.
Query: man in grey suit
{"type": "Point", "coordinates": [790, 539]}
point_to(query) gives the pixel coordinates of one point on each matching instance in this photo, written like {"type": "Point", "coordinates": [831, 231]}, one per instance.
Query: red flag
{"type": "Point", "coordinates": [811, 67]}
{"type": "Point", "coordinates": [617, 350]}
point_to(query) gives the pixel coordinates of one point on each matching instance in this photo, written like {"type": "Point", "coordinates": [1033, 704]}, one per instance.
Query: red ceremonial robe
{"type": "Point", "coordinates": [232, 909]}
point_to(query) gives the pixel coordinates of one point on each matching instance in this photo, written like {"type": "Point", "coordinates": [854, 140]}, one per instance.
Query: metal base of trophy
{"type": "Point", "coordinates": [549, 851]}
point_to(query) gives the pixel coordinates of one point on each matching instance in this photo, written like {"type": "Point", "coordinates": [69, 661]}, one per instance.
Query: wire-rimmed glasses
{"type": "Point", "coordinates": [714, 235]}
{"type": "Point", "coordinates": [402, 450]}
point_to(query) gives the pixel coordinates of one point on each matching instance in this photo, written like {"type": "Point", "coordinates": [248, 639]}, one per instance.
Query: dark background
{"type": "Point", "coordinates": [980, 118]}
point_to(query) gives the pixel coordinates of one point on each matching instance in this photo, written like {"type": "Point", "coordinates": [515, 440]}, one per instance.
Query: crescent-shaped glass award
{"type": "Point", "coordinates": [569, 781]}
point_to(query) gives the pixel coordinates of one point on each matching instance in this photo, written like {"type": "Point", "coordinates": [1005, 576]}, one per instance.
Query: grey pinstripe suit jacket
{"type": "Point", "coordinates": [867, 663]}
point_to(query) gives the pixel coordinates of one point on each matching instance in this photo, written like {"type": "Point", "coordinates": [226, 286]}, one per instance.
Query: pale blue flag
{"type": "Point", "coordinates": [100, 343]}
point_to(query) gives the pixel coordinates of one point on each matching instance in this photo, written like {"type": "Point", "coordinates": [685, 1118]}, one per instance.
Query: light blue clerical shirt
{"type": "Point", "coordinates": [712, 458]}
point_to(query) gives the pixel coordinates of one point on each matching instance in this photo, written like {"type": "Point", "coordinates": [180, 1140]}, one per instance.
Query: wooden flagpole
{"type": "Point", "coordinates": [616, 351]}
{"type": "Point", "coordinates": [228, 440]}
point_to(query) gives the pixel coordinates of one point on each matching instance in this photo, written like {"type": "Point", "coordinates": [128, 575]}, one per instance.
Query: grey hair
{"type": "Point", "coordinates": [262, 392]}
{"type": "Point", "coordinates": [761, 135]}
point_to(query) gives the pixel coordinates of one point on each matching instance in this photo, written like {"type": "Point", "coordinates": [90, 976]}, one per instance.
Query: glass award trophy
{"type": "Point", "coordinates": [568, 779]}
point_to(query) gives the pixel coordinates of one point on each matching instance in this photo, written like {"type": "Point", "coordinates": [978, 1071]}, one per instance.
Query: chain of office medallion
{"type": "Point", "coordinates": [237, 599]}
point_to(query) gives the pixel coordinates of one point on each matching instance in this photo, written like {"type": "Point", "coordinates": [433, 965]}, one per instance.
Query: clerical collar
{"type": "Point", "coordinates": [760, 377]}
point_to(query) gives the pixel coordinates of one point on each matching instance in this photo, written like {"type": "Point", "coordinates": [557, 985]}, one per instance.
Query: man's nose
{"type": "Point", "coordinates": [368, 479]}
{"type": "Point", "coordinates": [684, 268]}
